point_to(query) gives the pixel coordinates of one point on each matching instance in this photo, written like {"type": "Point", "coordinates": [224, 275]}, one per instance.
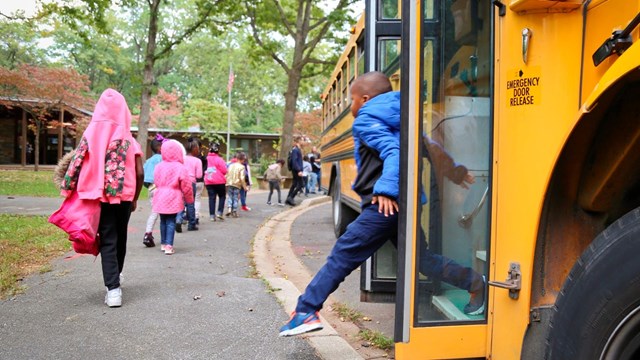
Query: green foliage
{"type": "Point", "coordinates": [18, 44]}
{"type": "Point", "coordinates": [205, 114]}
{"type": "Point", "coordinates": [28, 243]}
{"type": "Point", "coordinates": [264, 161]}
{"type": "Point", "coordinates": [346, 313]}
{"type": "Point", "coordinates": [376, 338]}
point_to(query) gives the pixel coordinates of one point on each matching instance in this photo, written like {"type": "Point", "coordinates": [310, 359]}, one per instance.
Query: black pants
{"type": "Point", "coordinates": [114, 219]}
{"type": "Point", "coordinates": [274, 184]}
{"type": "Point", "coordinates": [220, 191]}
{"type": "Point", "coordinates": [296, 186]}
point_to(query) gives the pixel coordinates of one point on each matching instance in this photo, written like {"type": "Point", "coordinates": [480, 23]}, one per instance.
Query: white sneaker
{"type": "Point", "coordinates": [113, 298]}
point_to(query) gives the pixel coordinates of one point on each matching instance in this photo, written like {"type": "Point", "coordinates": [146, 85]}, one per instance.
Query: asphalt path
{"type": "Point", "coordinates": [200, 303]}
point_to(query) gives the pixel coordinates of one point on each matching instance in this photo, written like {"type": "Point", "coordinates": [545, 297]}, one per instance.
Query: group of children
{"type": "Point", "coordinates": [175, 178]}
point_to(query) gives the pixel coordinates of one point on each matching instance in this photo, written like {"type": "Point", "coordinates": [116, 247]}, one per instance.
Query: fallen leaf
{"type": "Point", "coordinates": [197, 297]}
{"type": "Point", "coordinates": [220, 293]}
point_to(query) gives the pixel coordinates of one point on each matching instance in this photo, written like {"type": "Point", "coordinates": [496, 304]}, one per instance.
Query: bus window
{"type": "Point", "coordinates": [389, 52]}
{"type": "Point", "coordinates": [389, 10]}
{"type": "Point", "coordinates": [325, 112]}
{"type": "Point", "coordinates": [352, 65]}
{"type": "Point", "coordinates": [429, 10]}
{"type": "Point", "coordinates": [360, 56]}
{"type": "Point", "coordinates": [345, 86]}
{"type": "Point", "coordinates": [338, 92]}
{"type": "Point", "coordinates": [454, 233]}
{"type": "Point", "coordinates": [335, 99]}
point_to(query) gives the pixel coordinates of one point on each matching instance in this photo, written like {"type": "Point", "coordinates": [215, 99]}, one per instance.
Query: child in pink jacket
{"type": "Point", "coordinates": [215, 182]}
{"type": "Point", "coordinates": [173, 190]}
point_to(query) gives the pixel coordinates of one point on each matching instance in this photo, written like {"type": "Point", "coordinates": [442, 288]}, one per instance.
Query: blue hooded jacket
{"type": "Point", "coordinates": [376, 136]}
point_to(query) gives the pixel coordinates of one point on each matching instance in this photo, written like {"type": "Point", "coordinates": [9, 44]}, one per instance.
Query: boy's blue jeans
{"type": "Point", "coordinates": [364, 237]}
{"type": "Point", "coordinates": [232, 197]}
{"type": "Point", "coordinates": [167, 228]}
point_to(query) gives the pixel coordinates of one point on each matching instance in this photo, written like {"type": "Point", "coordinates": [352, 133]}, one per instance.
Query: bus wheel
{"type": "Point", "coordinates": [597, 313]}
{"type": "Point", "coordinates": [343, 215]}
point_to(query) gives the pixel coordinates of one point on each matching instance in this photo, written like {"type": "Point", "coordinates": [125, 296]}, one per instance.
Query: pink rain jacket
{"type": "Point", "coordinates": [216, 170]}
{"type": "Point", "coordinates": [172, 180]}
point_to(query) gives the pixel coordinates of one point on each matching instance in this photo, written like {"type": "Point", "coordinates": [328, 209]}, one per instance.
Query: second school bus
{"type": "Point", "coordinates": [539, 101]}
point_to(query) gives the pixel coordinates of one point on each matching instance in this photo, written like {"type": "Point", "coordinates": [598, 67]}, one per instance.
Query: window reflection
{"type": "Point", "coordinates": [389, 9]}
{"type": "Point", "coordinates": [455, 166]}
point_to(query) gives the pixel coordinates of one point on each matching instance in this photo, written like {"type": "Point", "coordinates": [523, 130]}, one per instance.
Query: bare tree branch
{"type": "Point", "coordinates": [311, 45]}
{"type": "Point", "coordinates": [285, 21]}
{"type": "Point", "coordinates": [258, 40]}
{"type": "Point", "coordinates": [185, 34]}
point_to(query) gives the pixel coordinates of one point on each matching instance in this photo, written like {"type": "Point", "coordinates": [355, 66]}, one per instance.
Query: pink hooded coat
{"type": "Point", "coordinates": [111, 179]}
{"type": "Point", "coordinates": [172, 180]}
{"type": "Point", "coordinates": [102, 168]}
{"type": "Point", "coordinates": [216, 170]}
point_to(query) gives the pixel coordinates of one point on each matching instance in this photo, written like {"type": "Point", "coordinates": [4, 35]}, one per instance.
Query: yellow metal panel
{"type": "Point", "coordinates": [603, 18]}
{"type": "Point", "coordinates": [528, 139]}
{"type": "Point", "coordinates": [446, 342]}
{"type": "Point", "coordinates": [549, 5]}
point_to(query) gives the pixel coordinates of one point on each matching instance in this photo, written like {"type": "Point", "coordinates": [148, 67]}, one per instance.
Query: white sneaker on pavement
{"type": "Point", "coordinates": [113, 298]}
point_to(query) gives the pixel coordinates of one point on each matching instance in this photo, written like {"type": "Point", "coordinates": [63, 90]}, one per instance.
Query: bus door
{"type": "Point", "coordinates": [446, 151]}
{"type": "Point", "coordinates": [383, 29]}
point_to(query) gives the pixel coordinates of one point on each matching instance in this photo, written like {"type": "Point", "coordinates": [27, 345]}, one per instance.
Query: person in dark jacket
{"type": "Point", "coordinates": [376, 133]}
{"type": "Point", "coordinates": [296, 171]}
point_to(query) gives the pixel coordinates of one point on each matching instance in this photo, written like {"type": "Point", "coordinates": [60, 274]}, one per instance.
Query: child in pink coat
{"type": "Point", "coordinates": [107, 167]}
{"type": "Point", "coordinates": [173, 190]}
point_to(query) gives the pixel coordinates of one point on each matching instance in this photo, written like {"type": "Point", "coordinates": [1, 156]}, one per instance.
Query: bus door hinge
{"type": "Point", "coordinates": [513, 282]}
{"type": "Point", "coordinates": [502, 8]}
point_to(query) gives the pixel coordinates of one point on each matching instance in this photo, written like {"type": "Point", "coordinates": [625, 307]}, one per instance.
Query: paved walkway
{"type": "Point", "coordinates": [200, 303]}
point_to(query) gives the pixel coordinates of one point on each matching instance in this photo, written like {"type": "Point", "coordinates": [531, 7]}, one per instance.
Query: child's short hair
{"type": "Point", "coordinates": [305, 158]}
{"type": "Point", "coordinates": [297, 138]}
{"type": "Point", "coordinates": [241, 156]}
{"type": "Point", "coordinates": [192, 143]}
{"type": "Point", "coordinates": [155, 145]}
{"type": "Point", "coordinates": [373, 83]}
{"type": "Point", "coordinates": [280, 161]}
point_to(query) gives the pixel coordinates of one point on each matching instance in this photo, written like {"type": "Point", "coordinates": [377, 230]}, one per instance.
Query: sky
{"type": "Point", "coordinates": [8, 7]}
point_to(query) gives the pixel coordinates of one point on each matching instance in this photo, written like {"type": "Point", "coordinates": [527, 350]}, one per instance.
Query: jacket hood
{"type": "Point", "coordinates": [384, 106]}
{"type": "Point", "coordinates": [173, 151]}
{"type": "Point", "coordinates": [112, 107]}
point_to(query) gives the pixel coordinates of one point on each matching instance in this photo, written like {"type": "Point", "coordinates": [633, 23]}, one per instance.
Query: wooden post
{"type": "Point", "coordinates": [61, 133]}
{"type": "Point", "coordinates": [23, 145]}
{"type": "Point", "coordinates": [36, 146]}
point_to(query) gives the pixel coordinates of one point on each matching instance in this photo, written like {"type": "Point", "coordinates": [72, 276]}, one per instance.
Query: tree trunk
{"type": "Point", "coordinates": [291, 99]}
{"type": "Point", "coordinates": [148, 81]}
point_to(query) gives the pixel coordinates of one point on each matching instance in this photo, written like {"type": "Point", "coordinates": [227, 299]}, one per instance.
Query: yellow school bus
{"type": "Point", "coordinates": [537, 99]}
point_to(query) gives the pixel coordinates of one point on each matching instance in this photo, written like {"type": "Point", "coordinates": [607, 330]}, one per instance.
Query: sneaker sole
{"type": "Point", "coordinates": [115, 304]}
{"type": "Point", "coordinates": [304, 328]}
{"type": "Point", "coordinates": [480, 311]}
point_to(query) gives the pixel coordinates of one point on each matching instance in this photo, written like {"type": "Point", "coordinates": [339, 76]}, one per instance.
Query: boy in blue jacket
{"type": "Point", "coordinates": [376, 134]}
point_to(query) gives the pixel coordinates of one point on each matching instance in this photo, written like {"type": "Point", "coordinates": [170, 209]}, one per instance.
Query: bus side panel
{"type": "Point", "coordinates": [595, 181]}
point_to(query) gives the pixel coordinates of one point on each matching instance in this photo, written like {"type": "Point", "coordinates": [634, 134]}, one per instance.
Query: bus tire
{"type": "Point", "coordinates": [343, 215]}
{"type": "Point", "coordinates": [597, 312]}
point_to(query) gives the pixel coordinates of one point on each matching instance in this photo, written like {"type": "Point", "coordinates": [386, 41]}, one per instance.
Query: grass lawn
{"type": "Point", "coordinates": [28, 183]}
{"type": "Point", "coordinates": [33, 183]}
{"type": "Point", "coordinates": [27, 245]}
